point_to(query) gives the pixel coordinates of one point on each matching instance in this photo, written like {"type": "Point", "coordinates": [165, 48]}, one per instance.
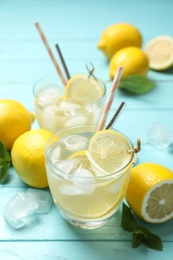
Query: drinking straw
{"type": "Point", "coordinates": [115, 116]}
{"type": "Point", "coordinates": [110, 98]}
{"type": "Point", "coordinates": [63, 61]}
{"type": "Point", "coordinates": [43, 37]}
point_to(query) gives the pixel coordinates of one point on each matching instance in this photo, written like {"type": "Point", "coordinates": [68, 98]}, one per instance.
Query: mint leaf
{"type": "Point", "coordinates": [140, 234]}
{"type": "Point", "coordinates": [4, 163]}
{"type": "Point", "coordinates": [137, 237]}
{"type": "Point", "coordinates": [128, 222]}
{"type": "Point", "coordinates": [149, 239]}
{"type": "Point", "coordinates": [136, 84]}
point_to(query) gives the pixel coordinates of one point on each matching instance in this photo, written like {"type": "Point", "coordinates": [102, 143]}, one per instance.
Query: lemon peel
{"type": "Point", "coordinates": [118, 36]}
{"type": "Point", "coordinates": [13, 115]}
{"type": "Point", "coordinates": [27, 157]}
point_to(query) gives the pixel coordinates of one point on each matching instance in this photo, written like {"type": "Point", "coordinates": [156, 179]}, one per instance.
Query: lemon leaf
{"type": "Point", "coordinates": [136, 84]}
{"type": "Point", "coordinates": [4, 162]}
{"type": "Point", "coordinates": [128, 222]}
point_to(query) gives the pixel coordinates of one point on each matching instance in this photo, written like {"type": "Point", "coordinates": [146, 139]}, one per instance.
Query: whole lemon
{"type": "Point", "coordinates": [150, 192]}
{"type": "Point", "coordinates": [27, 157]}
{"type": "Point", "coordinates": [118, 36]}
{"type": "Point", "coordinates": [14, 121]}
{"type": "Point", "coordinates": [133, 59]}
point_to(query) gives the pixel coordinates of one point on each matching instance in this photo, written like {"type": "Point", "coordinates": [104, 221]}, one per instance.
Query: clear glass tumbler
{"type": "Point", "coordinates": [84, 196]}
{"type": "Point", "coordinates": [53, 112]}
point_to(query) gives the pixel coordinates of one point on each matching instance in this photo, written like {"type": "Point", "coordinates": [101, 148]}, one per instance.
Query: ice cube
{"type": "Point", "coordinates": [69, 108]}
{"type": "Point", "coordinates": [159, 136]}
{"type": "Point", "coordinates": [75, 142]}
{"type": "Point", "coordinates": [69, 189]}
{"type": "Point", "coordinates": [19, 210]}
{"type": "Point", "coordinates": [56, 153]}
{"type": "Point", "coordinates": [76, 120]}
{"type": "Point", "coordinates": [67, 166]}
{"type": "Point", "coordinates": [49, 94]}
{"type": "Point", "coordinates": [84, 180]}
{"type": "Point", "coordinates": [43, 198]}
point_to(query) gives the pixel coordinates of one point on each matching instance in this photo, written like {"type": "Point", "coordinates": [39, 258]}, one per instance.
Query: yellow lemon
{"type": "Point", "coordinates": [133, 59]}
{"type": "Point", "coordinates": [14, 121]}
{"type": "Point", "coordinates": [118, 36]}
{"type": "Point", "coordinates": [150, 192]}
{"type": "Point", "coordinates": [83, 90]}
{"type": "Point", "coordinates": [27, 156]}
{"type": "Point", "coordinates": [160, 52]}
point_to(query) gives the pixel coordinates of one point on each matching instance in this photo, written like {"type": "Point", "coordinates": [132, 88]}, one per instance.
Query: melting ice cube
{"type": "Point", "coordinates": [159, 136]}
{"type": "Point", "coordinates": [19, 210]}
{"type": "Point", "coordinates": [42, 197]}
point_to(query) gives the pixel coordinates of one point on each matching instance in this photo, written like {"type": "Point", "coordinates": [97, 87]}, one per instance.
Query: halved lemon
{"type": "Point", "coordinates": [83, 90]}
{"type": "Point", "coordinates": [150, 192]}
{"type": "Point", "coordinates": [160, 52]}
{"type": "Point", "coordinates": [109, 149]}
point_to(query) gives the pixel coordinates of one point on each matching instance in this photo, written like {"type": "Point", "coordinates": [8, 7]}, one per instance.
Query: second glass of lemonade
{"type": "Point", "coordinates": [56, 109]}
{"type": "Point", "coordinates": [88, 173]}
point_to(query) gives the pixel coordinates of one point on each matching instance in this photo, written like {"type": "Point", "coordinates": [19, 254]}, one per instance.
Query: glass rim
{"type": "Point", "coordinates": [101, 82]}
{"type": "Point", "coordinates": [69, 176]}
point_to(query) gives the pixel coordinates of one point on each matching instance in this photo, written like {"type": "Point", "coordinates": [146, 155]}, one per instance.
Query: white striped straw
{"type": "Point", "coordinates": [43, 37]}
{"type": "Point", "coordinates": [110, 98]}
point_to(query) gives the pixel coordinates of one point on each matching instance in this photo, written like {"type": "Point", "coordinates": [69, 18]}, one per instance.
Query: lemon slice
{"type": "Point", "coordinates": [160, 52]}
{"type": "Point", "coordinates": [150, 192]}
{"type": "Point", "coordinates": [82, 157]}
{"type": "Point", "coordinates": [83, 90]}
{"type": "Point", "coordinates": [109, 150]}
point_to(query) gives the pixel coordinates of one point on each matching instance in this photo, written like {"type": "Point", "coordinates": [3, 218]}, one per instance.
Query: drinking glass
{"type": "Point", "coordinates": [84, 196]}
{"type": "Point", "coordinates": [53, 112]}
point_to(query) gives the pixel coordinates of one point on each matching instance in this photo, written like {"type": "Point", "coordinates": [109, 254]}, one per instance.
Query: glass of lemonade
{"type": "Point", "coordinates": [88, 173]}
{"type": "Point", "coordinates": [54, 111]}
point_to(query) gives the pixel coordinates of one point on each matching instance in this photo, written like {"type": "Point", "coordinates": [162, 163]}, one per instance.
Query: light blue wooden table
{"type": "Point", "coordinates": [77, 25]}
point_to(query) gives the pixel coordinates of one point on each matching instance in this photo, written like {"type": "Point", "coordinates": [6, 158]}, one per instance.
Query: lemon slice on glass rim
{"type": "Point", "coordinates": [83, 90]}
{"type": "Point", "coordinates": [160, 52]}
{"type": "Point", "coordinates": [109, 150]}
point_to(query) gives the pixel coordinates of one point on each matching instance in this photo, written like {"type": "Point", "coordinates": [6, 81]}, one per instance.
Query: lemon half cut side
{"type": "Point", "coordinates": [150, 192]}
{"type": "Point", "coordinates": [158, 203]}
{"type": "Point", "coordinates": [160, 52]}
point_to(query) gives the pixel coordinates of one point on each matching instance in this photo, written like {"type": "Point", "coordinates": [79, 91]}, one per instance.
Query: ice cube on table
{"type": "Point", "coordinates": [42, 198]}
{"type": "Point", "coordinates": [75, 143]}
{"type": "Point", "coordinates": [159, 136]}
{"type": "Point", "coordinates": [19, 210]}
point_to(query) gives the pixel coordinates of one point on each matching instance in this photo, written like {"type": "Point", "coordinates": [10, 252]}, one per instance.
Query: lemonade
{"type": "Point", "coordinates": [81, 101]}
{"type": "Point", "coordinates": [85, 189]}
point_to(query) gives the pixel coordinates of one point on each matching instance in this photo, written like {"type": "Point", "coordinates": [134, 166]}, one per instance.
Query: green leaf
{"type": "Point", "coordinates": [128, 222]}
{"type": "Point", "coordinates": [4, 162]}
{"type": "Point", "coordinates": [150, 239]}
{"type": "Point", "coordinates": [140, 234]}
{"type": "Point", "coordinates": [136, 84]}
{"type": "Point", "coordinates": [137, 238]}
